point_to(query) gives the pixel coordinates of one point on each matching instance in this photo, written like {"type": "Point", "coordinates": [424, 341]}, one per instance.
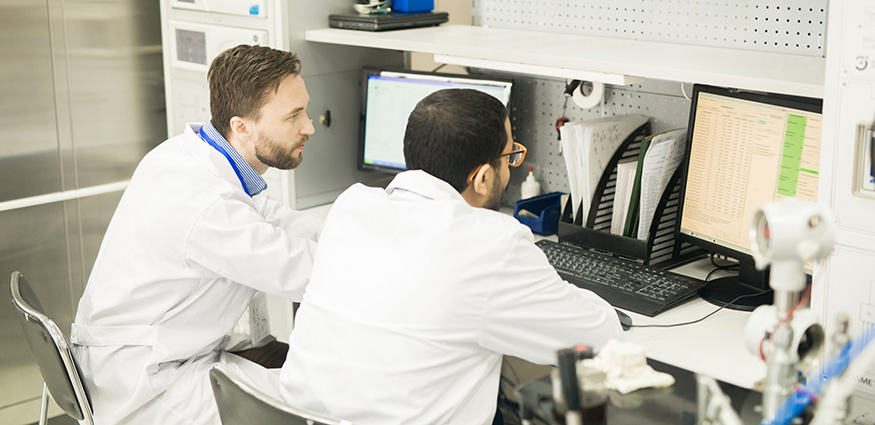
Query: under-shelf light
{"type": "Point", "coordinates": [542, 71]}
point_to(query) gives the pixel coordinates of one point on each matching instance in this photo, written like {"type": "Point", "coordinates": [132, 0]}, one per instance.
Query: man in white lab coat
{"type": "Point", "coordinates": [420, 288]}
{"type": "Point", "coordinates": [191, 243]}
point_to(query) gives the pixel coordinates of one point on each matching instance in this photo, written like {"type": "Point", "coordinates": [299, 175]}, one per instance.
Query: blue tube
{"type": "Point", "coordinates": [796, 403]}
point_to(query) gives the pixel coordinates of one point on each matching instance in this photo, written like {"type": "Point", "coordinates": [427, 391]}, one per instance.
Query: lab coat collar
{"type": "Point", "coordinates": [423, 184]}
{"type": "Point", "coordinates": [252, 182]}
{"type": "Point", "coordinates": [209, 156]}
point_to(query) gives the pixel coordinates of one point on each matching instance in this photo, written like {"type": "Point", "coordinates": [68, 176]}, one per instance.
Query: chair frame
{"type": "Point", "coordinates": [31, 313]}
{"type": "Point", "coordinates": [222, 376]}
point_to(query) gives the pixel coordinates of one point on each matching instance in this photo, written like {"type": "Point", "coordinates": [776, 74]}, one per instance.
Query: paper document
{"type": "Point", "coordinates": [567, 133]}
{"type": "Point", "coordinates": [663, 157]}
{"type": "Point", "coordinates": [588, 147]}
{"type": "Point", "coordinates": [622, 194]}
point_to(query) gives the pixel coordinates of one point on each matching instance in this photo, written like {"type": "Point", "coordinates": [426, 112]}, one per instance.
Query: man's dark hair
{"type": "Point", "coordinates": [451, 132]}
{"type": "Point", "coordinates": [241, 79]}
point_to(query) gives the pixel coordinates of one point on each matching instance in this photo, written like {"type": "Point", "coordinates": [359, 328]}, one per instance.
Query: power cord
{"type": "Point", "coordinates": [707, 278]}
{"type": "Point", "coordinates": [684, 91]}
{"type": "Point", "coordinates": [729, 264]}
{"type": "Point", "coordinates": [719, 267]}
{"type": "Point", "coordinates": [698, 320]}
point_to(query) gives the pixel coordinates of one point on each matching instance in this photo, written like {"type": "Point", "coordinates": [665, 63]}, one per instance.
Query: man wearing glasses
{"type": "Point", "coordinates": [419, 289]}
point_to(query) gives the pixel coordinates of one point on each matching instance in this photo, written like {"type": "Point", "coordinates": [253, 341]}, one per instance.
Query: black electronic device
{"type": "Point", "coordinates": [625, 320]}
{"type": "Point", "coordinates": [386, 21]}
{"type": "Point", "coordinates": [743, 149]}
{"type": "Point", "coordinates": [388, 97]}
{"type": "Point", "coordinates": [623, 283]}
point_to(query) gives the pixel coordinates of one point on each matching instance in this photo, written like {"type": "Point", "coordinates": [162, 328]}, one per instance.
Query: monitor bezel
{"type": "Point", "coordinates": [368, 71]}
{"type": "Point", "coordinates": [755, 280]}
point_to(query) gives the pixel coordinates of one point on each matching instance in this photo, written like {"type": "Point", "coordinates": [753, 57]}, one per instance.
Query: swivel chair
{"type": "Point", "coordinates": [242, 404]}
{"type": "Point", "coordinates": [49, 347]}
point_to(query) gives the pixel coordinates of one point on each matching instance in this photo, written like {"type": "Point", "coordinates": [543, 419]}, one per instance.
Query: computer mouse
{"type": "Point", "coordinates": [625, 320]}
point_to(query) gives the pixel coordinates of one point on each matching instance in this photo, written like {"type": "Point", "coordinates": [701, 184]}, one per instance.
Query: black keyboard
{"type": "Point", "coordinates": [623, 283]}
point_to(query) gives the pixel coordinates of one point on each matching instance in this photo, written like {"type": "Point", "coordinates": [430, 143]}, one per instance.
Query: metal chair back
{"type": "Point", "coordinates": [51, 351]}
{"type": "Point", "coordinates": [242, 404]}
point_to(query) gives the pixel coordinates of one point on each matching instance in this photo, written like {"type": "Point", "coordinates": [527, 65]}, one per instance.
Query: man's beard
{"type": "Point", "coordinates": [275, 155]}
{"type": "Point", "coordinates": [494, 200]}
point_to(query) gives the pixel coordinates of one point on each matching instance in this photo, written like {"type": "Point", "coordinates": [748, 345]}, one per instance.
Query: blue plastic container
{"type": "Point", "coordinates": [548, 209]}
{"type": "Point", "coordinates": [412, 5]}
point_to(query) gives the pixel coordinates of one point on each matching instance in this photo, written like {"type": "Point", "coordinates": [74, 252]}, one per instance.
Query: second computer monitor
{"type": "Point", "coordinates": [744, 149]}
{"type": "Point", "coordinates": [388, 98]}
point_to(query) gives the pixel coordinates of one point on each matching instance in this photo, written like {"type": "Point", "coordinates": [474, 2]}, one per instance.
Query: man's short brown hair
{"type": "Point", "coordinates": [241, 78]}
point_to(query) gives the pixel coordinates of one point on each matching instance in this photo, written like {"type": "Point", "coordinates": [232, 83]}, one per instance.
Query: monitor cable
{"type": "Point", "coordinates": [707, 278]}
{"type": "Point", "coordinates": [697, 320]}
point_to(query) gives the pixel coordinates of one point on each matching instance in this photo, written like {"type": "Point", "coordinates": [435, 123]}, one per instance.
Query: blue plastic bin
{"type": "Point", "coordinates": [548, 209]}
{"type": "Point", "coordinates": [412, 5]}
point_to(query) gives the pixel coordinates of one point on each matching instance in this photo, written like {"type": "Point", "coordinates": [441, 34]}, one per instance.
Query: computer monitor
{"type": "Point", "coordinates": [388, 98]}
{"type": "Point", "coordinates": [743, 149]}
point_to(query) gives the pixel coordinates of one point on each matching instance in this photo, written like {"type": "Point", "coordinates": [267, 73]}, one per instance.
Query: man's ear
{"type": "Point", "coordinates": [482, 180]}
{"type": "Point", "coordinates": [480, 187]}
{"type": "Point", "coordinates": [239, 129]}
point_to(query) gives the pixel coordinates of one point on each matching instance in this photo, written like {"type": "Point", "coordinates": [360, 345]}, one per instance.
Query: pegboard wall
{"type": "Point", "coordinates": [796, 27]}
{"type": "Point", "coordinates": [537, 103]}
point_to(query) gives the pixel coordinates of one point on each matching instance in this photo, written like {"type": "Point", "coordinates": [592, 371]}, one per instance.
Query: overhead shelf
{"type": "Point", "coordinates": [609, 60]}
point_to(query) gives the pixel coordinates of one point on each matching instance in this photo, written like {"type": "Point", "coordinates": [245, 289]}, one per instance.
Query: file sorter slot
{"type": "Point", "coordinates": [660, 249]}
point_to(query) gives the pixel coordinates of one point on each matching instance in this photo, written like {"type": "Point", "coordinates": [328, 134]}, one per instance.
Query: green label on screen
{"type": "Point", "coordinates": [791, 158]}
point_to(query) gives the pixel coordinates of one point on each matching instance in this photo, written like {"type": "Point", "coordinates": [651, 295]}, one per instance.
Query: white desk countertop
{"type": "Point", "coordinates": [714, 347]}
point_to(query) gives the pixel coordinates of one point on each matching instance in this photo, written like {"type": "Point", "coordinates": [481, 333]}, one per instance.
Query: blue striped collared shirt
{"type": "Point", "coordinates": [253, 181]}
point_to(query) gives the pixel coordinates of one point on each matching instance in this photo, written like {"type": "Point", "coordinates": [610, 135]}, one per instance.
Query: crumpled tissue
{"type": "Point", "coordinates": [626, 368]}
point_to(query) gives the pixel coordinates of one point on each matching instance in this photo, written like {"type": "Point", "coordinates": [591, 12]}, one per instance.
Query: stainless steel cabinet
{"type": "Point", "coordinates": [81, 101]}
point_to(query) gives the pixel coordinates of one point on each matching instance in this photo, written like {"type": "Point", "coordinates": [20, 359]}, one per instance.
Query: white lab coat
{"type": "Point", "coordinates": [415, 296]}
{"type": "Point", "coordinates": [182, 258]}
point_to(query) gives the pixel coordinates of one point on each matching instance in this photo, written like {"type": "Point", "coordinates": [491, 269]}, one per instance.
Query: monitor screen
{"type": "Point", "coordinates": [744, 149]}
{"type": "Point", "coordinates": [389, 97]}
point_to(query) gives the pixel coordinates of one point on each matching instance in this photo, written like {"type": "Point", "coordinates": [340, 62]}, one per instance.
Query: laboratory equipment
{"type": "Point", "coordinates": [389, 96]}
{"type": "Point", "coordinates": [786, 235]}
{"type": "Point", "coordinates": [579, 392]}
{"type": "Point", "coordinates": [845, 283]}
{"type": "Point", "coordinates": [744, 149]}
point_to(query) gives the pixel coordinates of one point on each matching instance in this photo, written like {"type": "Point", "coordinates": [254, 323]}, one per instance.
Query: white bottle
{"type": "Point", "coordinates": [530, 186]}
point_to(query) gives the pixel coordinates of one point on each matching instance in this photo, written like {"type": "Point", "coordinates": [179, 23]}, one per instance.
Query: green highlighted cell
{"type": "Point", "coordinates": [791, 159]}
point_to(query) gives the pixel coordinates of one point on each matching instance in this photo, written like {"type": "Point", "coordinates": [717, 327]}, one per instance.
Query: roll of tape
{"type": "Point", "coordinates": [586, 101]}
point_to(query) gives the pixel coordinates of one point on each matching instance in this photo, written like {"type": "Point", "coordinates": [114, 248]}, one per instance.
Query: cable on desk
{"type": "Point", "coordinates": [719, 267]}
{"type": "Point", "coordinates": [697, 320]}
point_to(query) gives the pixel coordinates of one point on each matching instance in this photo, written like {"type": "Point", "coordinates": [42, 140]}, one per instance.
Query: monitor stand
{"type": "Point", "coordinates": [750, 282]}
